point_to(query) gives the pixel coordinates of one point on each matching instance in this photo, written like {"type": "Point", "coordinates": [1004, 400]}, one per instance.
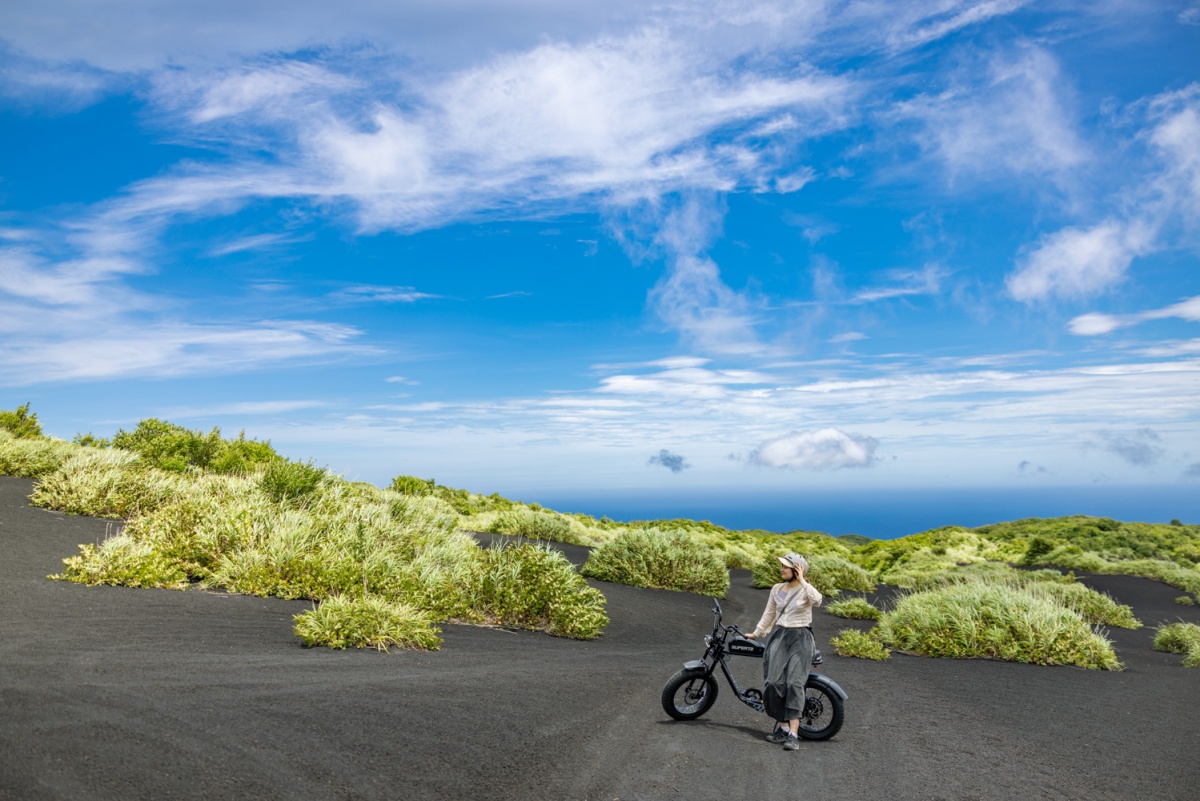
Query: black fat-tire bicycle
{"type": "Point", "coordinates": [693, 690]}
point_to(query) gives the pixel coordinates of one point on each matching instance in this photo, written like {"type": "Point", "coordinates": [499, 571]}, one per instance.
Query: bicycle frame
{"type": "Point", "coordinates": [719, 648]}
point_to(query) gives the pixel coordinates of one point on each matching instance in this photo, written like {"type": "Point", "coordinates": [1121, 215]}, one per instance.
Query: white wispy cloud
{"type": "Point", "coordinates": [1160, 209]}
{"type": "Point", "coordinates": [254, 242]}
{"type": "Point", "coordinates": [381, 294]}
{"type": "Point", "coordinates": [904, 283]}
{"type": "Point", "coordinates": [1009, 115]}
{"type": "Point", "coordinates": [76, 352]}
{"type": "Point", "coordinates": [58, 87]}
{"type": "Point", "coordinates": [1095, 323]}
{"type": "Point", "coordinates": [913, 25]}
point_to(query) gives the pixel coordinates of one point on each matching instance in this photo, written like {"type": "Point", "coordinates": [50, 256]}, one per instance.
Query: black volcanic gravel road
{"type": "Point", "coordinates": [113, 693]}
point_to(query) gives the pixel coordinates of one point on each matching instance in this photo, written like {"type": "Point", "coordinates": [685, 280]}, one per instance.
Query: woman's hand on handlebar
{"type": "Point", "coordinates": [749, 636]}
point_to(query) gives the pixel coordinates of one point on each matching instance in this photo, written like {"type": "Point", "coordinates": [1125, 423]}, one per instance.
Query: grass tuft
{"type": "Point", "coordinates": [668, 560]}
{"type": "Point", "coordinates": [994, 621]}
{"type": "Point", "coordinates": [851, 642]}
{"type": "Point", "coordinates": [291, 482]}
{"type": "Point", "coordinates": [535, 587]}
{"type": "Point", "coordinates": [342, 621]}
{"type": "Point", "coordinates": [536, 525]}
{"type": "Point", "coordinates": [122, 561]}
{"type": "Point", "coordinates": [1180, 638]}
{"type": "Point", "coordinates": [855, 609]}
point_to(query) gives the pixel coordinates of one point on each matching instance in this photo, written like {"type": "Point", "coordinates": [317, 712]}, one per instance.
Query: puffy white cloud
{"type": "Point", "coordinates": [1077, 263]}
{"type": "Point", "coordinates": [822, 449]}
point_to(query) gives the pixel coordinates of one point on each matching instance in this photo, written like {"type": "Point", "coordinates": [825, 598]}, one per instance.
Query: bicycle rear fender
{"type": "Point", "coordinates": [827, 683]}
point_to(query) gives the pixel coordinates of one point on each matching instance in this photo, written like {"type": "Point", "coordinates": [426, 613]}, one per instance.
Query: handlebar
{"type": "Point", "coordinates": [716, 610]}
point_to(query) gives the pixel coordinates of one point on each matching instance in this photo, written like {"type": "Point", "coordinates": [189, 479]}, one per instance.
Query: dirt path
{"type": "Point", "coordinates": [112, 693]}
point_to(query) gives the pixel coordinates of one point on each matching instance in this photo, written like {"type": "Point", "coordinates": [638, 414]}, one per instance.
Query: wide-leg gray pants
{"type": "Point", "coordinates": [786, 663]}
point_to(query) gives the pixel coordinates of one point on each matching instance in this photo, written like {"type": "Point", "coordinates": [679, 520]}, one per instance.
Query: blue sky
{"type": "Point", "coordinates": [536, 247]}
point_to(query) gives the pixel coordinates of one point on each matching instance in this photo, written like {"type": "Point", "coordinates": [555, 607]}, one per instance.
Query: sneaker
{"type": "Point", "coordinates": [778, 736]}
{"type": "Point", "coordinates": [792, 743]}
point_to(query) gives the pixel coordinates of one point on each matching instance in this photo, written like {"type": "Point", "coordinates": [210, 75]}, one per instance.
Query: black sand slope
{"type": "Point", "coordinates": [112, 693]}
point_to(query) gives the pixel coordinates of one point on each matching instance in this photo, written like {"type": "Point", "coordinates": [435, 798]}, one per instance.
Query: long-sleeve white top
{"type": "Point", "coordinates": [798, 613]}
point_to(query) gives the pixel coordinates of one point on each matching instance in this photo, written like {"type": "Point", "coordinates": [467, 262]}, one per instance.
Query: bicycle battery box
{"type": "Point", "coordinates": [745, 647]}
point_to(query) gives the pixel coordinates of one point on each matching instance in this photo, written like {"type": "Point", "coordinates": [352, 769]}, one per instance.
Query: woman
{"type": "Point", "coordinates": [789, 649]}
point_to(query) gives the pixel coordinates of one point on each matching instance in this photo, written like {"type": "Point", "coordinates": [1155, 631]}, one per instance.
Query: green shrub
{"type": "Point", "coordinates": [851, 642]}
{"type": "Point", "coordinates": [20, 423]}
{"type": "Point", "coordinates": [1095, 607]}
{"type": "Point", "coordinates": [854, 608]}
{"type": "Point", "coordinates": [1185, 600]}
{"type": "Point", "coordinates": [32, 457]}
{"type": "Point", "coordinates": [124, 562]}
{"type": "Point", "coordinates": [1038, 547]}
{"type": "Point", "coordinates": [411, 485]}
{"type": "Point", "coordinates": [835, 574]}
{"type": "Point", "coordinates": [172, 447]}
{"type": "Point", "coordinates": [291, 482]}
{"type": "Point", "coordinates": [243, 456]}
{"type": "Point", "coordinates": [535, 587]}
{"type": "Point", "coordinates": [995, 621]}
{"type": "Point", "coordinates": [535, 525]}
{"type": "Point", "coordinates": [669, 560]}
{"type": "Point", "coordinates": [168, 446]}
{"type": "Point", "coordinates": [89, 441]}
{"type": "Point", "coordinates": [1180, 638]}
{"type": "Point", "coordinates": [105, 483]}
{"type": "Point", "coordinates": [342, 621]}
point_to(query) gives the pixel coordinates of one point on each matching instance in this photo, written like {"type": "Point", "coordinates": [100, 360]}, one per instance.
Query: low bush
{"type": "Point", "coordinates": [342, 621]}
{"type": "Point", "coordinates": [1180, 638]}
{"type": "Point", "coordinates": [32, 457]}
{"type": "Point", "coordinates": [168, 446]}
{"type": "Point", "coordinates": [1095, 607]}
{"type": "Point", "coordinates": [291, 482]}
{"type": "Point", "coordinates": [855, 609]}
{"type": "Point", "coordinates": [125, 562]}
{"type": "Point", "coordinates": [1185, 600]}
{"type": "Point", "coordinates": [174, 448]}
{"type": "Point", "coordinates": [411, 485]}
{"type": "Point", "coordinates": [669, 560]}
{"type": "Point", "coordinates": [536, 587]}
{"type": "Point", "coordinates": [851, 642]}
{"type": "Point", "coordinates": [105, 483]}
{"type": "Point", "coordinates": [20, 423]}
{"type": "Point", "coordinates": [536, 525]}
{"type": "Point", "coordinates": [995, 621]}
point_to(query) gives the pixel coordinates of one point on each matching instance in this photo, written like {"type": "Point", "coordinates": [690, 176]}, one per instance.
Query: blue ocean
{"type": "Point", "coordinates": [886, 514]}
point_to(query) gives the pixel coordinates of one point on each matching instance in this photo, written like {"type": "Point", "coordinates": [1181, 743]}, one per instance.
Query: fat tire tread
{"type": "Point", "coordinates": [674, 683]}
{"type": "Point", "coordinates": [832, 700]}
